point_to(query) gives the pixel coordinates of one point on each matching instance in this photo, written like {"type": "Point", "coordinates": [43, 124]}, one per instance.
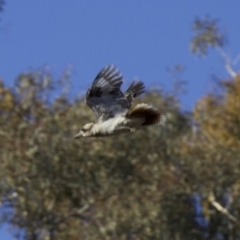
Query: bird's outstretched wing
{"type": "Point", "coordinates": [135, 90]}
{"type": "Point", "coordinates": [105, 97]}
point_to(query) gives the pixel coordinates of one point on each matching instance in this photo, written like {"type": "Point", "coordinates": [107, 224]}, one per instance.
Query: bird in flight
{"type": "Point", "coordinates": [112, 106]}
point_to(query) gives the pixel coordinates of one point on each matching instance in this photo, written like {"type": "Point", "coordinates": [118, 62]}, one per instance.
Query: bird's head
{"type": "Point", "coordinates": [85, 131]}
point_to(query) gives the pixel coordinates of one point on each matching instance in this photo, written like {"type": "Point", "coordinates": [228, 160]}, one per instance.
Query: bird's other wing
{"type": "Point", "coordinates": [135, 90]}
{"type": "Point", "coordinates": [104, 96]}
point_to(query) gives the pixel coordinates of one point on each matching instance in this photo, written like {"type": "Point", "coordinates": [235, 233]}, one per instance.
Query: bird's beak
{"type": "Point", "coordinates": [78, 135]}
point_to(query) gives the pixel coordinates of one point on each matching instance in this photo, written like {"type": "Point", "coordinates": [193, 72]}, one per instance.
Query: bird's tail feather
{"type": "Point", "coordinates": [145, 114]}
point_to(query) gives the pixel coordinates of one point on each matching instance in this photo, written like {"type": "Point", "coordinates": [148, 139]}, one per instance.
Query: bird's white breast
{"type": "Point", "coordinates": [108, 126]}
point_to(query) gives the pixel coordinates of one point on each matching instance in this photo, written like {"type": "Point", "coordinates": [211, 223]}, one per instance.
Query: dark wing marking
{"type": "Point", "coordinates": [135, 90]}
{"type": "Point", "coordinates": [108, 81]}
{"type": "Point", "coordinates": [105, 97]}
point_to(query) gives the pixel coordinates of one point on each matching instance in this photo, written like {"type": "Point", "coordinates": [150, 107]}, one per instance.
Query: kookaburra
{"type": "Point", "coordinates": [112, 107]}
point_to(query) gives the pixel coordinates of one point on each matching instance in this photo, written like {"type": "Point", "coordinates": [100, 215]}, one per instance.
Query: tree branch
{"type": "Point", "coordinates": [228, 63]}
{"type": "Point", "coordinates": [73, 213]}
{"type": "Point", "coordinates": [220, 208]}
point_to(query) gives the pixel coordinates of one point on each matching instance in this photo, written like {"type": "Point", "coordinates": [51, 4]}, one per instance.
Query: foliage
{"type": "Point", "coordinates": [93, 188]}
{"type": "Point", "coordinates": [138, 186]}
{"type": "Point", "coordinates": [2, 2]}
{"type": "Point", "coordinates": [211, 160]}
{"type": "Point", "coordinates": [207, 34]}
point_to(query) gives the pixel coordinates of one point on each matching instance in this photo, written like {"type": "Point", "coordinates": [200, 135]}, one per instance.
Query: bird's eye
{"type": "Point", "coordinates": [84, 129]}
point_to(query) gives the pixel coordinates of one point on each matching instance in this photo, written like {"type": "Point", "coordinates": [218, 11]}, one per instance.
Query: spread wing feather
{"type": "Point", "coordinates": [135, 90]}
{"type": "Point", "coordinates": [104, 96]}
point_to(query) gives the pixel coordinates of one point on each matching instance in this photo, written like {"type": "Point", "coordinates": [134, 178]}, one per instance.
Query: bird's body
{"type": "Point", "coordinates": [111, 126]}
{"type": "Point", "coordinates": [111, 106]}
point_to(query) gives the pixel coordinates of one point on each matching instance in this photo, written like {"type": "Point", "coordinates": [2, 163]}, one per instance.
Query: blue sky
{"type": "Point", "coordinates": [143, 38]}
